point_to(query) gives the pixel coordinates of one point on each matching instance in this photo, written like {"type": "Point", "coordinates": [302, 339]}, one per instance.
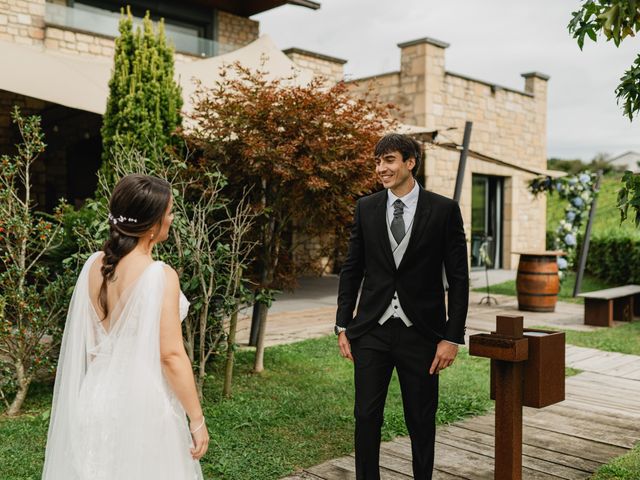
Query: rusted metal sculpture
{"type": "Point", "coordinates": [527, 369]}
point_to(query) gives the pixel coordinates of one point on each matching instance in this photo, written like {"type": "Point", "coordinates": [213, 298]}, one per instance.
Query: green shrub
{"type": "Point", "coordinates": [32, 295]}
{"type": "Point", "coordinates": [143, 108]}
{"type": "Point", "coordinates": [550, 240]}
{"type": "Point", "coordinates": [614, 256]}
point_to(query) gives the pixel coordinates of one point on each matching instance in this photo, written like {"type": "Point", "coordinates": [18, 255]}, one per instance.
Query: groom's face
{"type": "Point", "coordinates": [392, 171]}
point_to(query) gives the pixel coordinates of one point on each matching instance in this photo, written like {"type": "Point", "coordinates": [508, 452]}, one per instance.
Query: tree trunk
{"type": "Point", "coordinates": [258, 366]}
{"type": "Point", "coordinates": [190, 345]}
{"type": "Point", "coordinates": [228, 366]}
{"type": "Point", "coordinates": [269, 261]}
{"type": "Point", "coordinates": [24, 381]}
{"type": "Point", "coordinates": [202, 367]}
{"type": "Point", "coordinates": [199, 385]}
{"type": "Point", "coordinates": [255, 323]}
{"type": "Point", "coordinates": [263, 310]}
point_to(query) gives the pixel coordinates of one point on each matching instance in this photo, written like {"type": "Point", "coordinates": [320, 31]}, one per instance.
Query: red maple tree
{"type": "Point", "coordinates": [305, 154]}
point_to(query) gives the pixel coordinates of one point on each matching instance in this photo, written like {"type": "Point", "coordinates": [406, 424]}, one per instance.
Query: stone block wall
{"type": "Point", "coordinates": [388, 89]}
{"type": "Point", "coordinates": [234, 32]}
{"type": "Point", "coordinates": [22, 21]}
{"type": "Point", "coordinates": [69, 41]}
{"type": "Point", "coordinates": [328, 67]}
{"type": "Point", "coordinates": [508, 125]}
{"type": "Point", "coordinates": [421, 72]}
{"type": "Point", "coordinates": [308, 248]}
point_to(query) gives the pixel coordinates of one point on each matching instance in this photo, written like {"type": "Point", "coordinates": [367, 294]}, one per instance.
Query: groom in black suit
{"type": "Point", "coordinates": [403, 241]}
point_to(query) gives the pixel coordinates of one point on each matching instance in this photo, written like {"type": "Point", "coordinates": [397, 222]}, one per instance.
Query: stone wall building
{"type": "Point", "coordinates": [86, 29]}
{"type": "Point", "coordinates": [331, 68]}
{"type": "Point", "coordinates": [82, 27]}
{"type": "Point", "coordinates": [507, 144]}
{"type": "Point", "coordinates": [508, 139]}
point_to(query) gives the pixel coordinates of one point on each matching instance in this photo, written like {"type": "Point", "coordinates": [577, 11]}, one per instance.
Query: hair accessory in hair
{"type": "Point", "coordinates": [121, 219]}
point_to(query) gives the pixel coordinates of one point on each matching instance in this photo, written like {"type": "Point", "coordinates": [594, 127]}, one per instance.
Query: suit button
{"type": "Point", "coordinates": [394, 297]}
{"type": "Point", "coordinates": [395, 306]}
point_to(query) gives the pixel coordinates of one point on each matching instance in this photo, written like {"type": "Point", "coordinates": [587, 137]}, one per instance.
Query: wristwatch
{"type": "Point", "coordinates": [338, 330]}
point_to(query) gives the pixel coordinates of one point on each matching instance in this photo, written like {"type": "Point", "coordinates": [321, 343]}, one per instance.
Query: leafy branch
{"type": "Point", "coordinates": [616, 20]}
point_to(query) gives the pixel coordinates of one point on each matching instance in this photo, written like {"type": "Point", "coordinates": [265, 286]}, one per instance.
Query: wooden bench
{"type": "Point", "coordinates": [602, 307]}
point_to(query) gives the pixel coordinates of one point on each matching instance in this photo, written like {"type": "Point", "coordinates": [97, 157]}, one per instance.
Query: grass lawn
{"type": "Point", "coordinates": [589, 284]}
{"type": "Point", "coordinates": [297, 413]}
{"type": "Point", "coordinates": [626, 467]}
{"type": "Point", "coordinates": [624, 339]}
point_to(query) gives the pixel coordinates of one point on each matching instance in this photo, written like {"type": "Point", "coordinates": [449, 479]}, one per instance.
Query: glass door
{"type": "Point", "coordinates": [486, 221]}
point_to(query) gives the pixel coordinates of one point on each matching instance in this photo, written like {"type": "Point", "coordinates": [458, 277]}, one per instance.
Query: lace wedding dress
{"type": "Point", "coordinates": [114, 416]}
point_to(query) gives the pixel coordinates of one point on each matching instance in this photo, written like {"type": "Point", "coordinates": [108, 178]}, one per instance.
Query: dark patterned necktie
{"type": "Point", "coordinates": [397, 225]}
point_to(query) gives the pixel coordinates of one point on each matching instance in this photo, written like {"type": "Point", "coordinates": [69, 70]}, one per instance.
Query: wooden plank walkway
{"type": "Point", "coordinates": [599, 420]}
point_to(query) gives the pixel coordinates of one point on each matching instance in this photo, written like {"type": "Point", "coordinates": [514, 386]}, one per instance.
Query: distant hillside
{"type": "Point", "coordinates": [607, 214]}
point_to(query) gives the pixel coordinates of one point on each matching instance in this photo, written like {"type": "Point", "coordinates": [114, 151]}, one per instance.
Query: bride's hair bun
{"type": "Point", "coordinates": [140, 197]}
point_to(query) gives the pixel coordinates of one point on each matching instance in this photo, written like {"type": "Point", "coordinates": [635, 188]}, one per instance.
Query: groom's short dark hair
{"type": "Point", "coordinates": [404, 144]}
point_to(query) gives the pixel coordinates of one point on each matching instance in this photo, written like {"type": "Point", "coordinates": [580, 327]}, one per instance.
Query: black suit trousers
{"type": "Point", "coordinates": [376, 353]}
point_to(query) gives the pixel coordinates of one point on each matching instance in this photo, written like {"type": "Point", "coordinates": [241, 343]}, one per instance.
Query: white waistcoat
{"type": "Point", "coordinates": [394, 308]}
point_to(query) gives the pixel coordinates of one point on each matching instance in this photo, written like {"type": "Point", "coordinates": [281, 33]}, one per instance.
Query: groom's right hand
{"type": "Point", "coordinates": [345, 346]}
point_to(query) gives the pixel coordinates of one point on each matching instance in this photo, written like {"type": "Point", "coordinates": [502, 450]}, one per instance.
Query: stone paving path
{"type": "Point", "coordinates": [292, 323]}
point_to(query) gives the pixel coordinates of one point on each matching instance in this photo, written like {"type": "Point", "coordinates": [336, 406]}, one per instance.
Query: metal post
{"type": "Point", "coordinates": [508, 429]}
{"type": "Point", "coordinates": [584, 250]}
{"type": "Point", "coordinates": [463, 160]}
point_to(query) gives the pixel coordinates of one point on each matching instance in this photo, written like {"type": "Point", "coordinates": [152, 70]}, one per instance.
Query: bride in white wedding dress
{"type": "Point", "coordinates": [124, 381]}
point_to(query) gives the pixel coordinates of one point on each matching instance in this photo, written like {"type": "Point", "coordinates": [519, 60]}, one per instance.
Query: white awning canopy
{"type": "Point", "coordinates": [261, 54]}
{"type": "Point", "coordinates": [72, 81]}
{"type": "Point", "coordinates": [81, 82]}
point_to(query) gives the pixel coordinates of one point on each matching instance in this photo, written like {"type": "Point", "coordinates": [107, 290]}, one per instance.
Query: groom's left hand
{"type": "Point", "coordinates": [445, 355]}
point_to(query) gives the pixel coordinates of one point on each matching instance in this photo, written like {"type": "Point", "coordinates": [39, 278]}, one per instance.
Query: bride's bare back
{"type": "Point", "coordinates": [127, 273]}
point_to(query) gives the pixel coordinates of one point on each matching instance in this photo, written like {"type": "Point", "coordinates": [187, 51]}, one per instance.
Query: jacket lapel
{"type": "Point", "coordinates": [381, 230]}
{"type": "Point", "coordinates": [423, 211]}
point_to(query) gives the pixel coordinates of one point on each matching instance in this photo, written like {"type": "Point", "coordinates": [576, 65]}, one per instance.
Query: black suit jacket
{"type": "Point", "coordinates": [437, 238]}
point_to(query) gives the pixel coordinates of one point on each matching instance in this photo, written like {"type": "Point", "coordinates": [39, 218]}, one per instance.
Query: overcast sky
{"type": "Point", "coordinates": [492, 40]}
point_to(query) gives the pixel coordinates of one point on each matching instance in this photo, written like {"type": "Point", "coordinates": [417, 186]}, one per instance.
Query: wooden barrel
{"type": "Point", "coordinates": [537, 282]}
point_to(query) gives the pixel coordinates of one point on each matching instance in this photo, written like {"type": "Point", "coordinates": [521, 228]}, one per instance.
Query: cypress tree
{"type": "Point", "coordinates": [143, 108]}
